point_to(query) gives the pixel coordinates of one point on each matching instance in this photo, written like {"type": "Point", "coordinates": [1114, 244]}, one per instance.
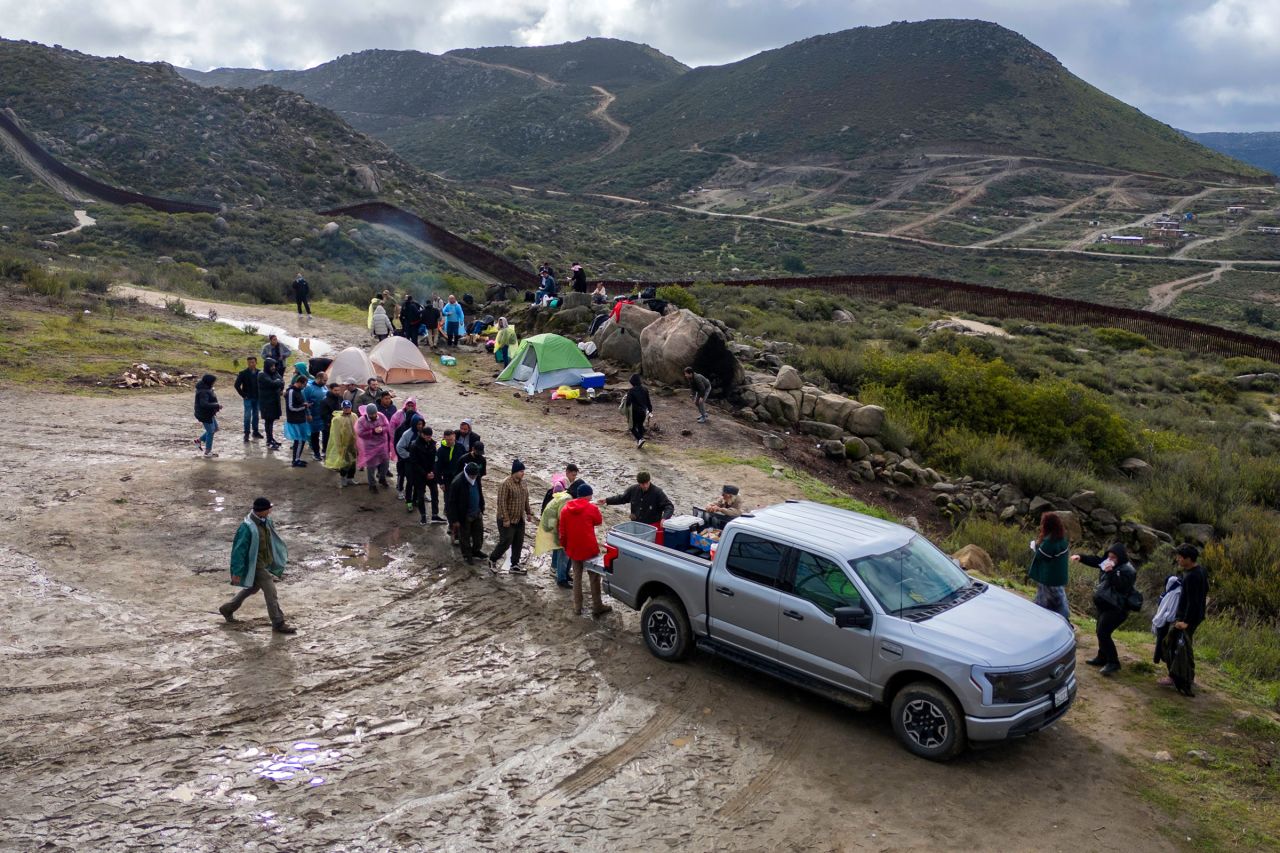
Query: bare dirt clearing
{"type": "Point", "coordinates": [425, 705]}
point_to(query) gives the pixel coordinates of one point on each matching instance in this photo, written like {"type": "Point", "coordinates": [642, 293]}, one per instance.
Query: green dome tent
{"type": "Point", "coordinates": [545, 361]}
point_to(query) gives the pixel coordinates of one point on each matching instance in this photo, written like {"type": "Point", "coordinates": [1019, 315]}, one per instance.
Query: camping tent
{"type": "Point", "coordinates": [397, 360]}
{"type": "Point", "coordinates": [545, 361]}
{"type": "Point", "coordinates": [351, 366]}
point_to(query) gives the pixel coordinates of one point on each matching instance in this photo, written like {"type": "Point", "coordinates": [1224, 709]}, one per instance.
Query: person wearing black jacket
{"type": "Point", "coordinates": [464, 508]}
{"type": "Point", "coordinates": [579, 279]}
{"type": "Point", "coordinates": [1116, 578]}
{"type": "Point", "coordinates": [302, 294]}
{"type": "Point", "coordinates": [464, 436]}
{"type": "Point", "coordinates": [1190, 613]}
{"type": "Point", "coordinates": [206, 411]}
{"type": "Point", "coordinates": [420, 473]}
{"type": "Point", "coordinates": [270, 386]}
{"type": "Point", "coordinates": [639, 407]}
{"type": "Point", "coordinates": [329, 406]}
{"type": "Point", "coordinates": [411, 318]}
{"type": "Point", "coordinates": [649, 504]}
{"type": "Point", "coordinates": [246, 386]}
{"type": "Point", "coordinates": [431, 320]}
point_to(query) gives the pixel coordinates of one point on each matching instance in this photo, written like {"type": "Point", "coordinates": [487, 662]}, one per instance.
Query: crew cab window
{"type": "Point", "coordinates": [823, 583]}
{"type": "Point", "coordinates": [756, 559]}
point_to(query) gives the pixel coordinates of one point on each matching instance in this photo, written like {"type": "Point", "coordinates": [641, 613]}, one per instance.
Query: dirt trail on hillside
{"type": "Point", "coordinates": [1161, 296]}
{"type": "Point", "coordinates": [425, 705]}
{"type": "Point", "coordinates": [601, 112]}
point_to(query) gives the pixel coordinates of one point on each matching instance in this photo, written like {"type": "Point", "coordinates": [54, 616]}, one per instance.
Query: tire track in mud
{"type": "Point", "coordinates": [737, 805]}
{"type": "Point", "coordinates": [605, 766]}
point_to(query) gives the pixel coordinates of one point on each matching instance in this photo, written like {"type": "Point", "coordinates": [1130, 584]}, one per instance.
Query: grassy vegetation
{"type": "Point", "coordinates": [810, 486]}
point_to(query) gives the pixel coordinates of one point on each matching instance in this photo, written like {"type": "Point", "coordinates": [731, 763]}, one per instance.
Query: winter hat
{"type": "Point", "coordinates": [517, 465]}
{"type": "Point", "coordinates": [370, 409]}
{"type": "Point", "coordinates": [471, 469]}
{"type": "Point", "coordinates": [261, 504]}
{"type": "Point", "coordinates": [729, 490]}
{"type": "Point", "coordinates": [410, 401]}
{"type": "Point", "coordinates": [559, 480]}
{"type": "Point", "coordinates": [585, 490]}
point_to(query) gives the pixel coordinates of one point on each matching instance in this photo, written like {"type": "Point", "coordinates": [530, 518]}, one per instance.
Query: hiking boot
{"type": "Point", "coordinates": [209, 454]}
{"type": "Point", "coordinates": [282, 628]}
{"type": "Point", "coordinates": [639, 444]}
{"type": "Point", "coordinates": [384, 485]}
{"type": "Point", "coordinates": [435, 519]}
{"type": "Point", "coordinates": [227, 613]}
{"type": "Point", "coordinates": [516, 570]}
{"type": "Point", "coordinates": [1110, 669]}
{"type": "Point", "coordinates": [258, 435]}
{"type": "Point", "coordinates": [1095, 662]}
{"type": "Point", "coordinates": [597, 612]}
{"type": "Point", "coordinates": [423, 521]}
{"type": "Point", "coordinates": [246, 438]}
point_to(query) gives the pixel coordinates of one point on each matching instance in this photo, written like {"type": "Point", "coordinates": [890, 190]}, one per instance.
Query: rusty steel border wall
{"type": "Point", "coordinates": [94, 187]}
{"type": "Point", "coordinates": [943, 294]}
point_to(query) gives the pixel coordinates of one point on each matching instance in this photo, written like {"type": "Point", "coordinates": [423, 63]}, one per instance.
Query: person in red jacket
{"type": "Point", "coordinates": [578, 522]}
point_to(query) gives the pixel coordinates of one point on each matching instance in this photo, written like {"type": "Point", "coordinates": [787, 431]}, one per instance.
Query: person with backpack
{"type": "Point", "coordinates": [246, 386]}
{"type": "Point", "coordinates": [301, 294]}
{"type": "Point", "coordinates": [270, 386]}
{"type": "Point", "coordinates": [206, 411]}
{"type": "Point", "coordinates": [1049, 565]}
{"type": "Point", "coordinates": [1112, 598]}
{"type": "Point", "coordinates": [1192, 606]}
{"type": "Point", "coordinates": [402, 425]}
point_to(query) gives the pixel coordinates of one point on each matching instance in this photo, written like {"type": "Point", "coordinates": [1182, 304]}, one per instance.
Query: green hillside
{"type": "Point", "coordinates": [931, 86]}
{"type": "Point", "coordinates": [1261, 149]}
{"type": "Point", "coordinates": [612, 63]}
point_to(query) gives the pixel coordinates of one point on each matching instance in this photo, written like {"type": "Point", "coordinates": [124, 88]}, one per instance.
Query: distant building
{"type": "Point", "coordinates": [1235, 209]}
{"type": "Point", "coordinates": [1126, 239]}
{"type": "Point", "coordinates": [1269, 229]}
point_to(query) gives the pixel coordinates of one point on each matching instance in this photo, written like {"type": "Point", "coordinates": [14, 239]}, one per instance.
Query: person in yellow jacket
{"type": "Point", "coordinates": [547, 538]}
{"type": "Point", "coordinates": [340, 454]}
{"type": "Point", "coordinates": [505, 341]}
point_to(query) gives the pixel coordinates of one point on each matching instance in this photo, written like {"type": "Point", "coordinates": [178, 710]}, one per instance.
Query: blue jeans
{"type": "Point", "coordinates": [560, 562]}
{"type": "Point", "coordinates": [251, 413]}
{"type": "Point", "coordinates": [209, 429]}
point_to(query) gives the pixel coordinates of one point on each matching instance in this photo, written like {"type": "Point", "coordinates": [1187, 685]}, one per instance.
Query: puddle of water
{"type": "Point", "coordinates": [311, 346]}
{"type": "Point", "coordinates": [373, 554]}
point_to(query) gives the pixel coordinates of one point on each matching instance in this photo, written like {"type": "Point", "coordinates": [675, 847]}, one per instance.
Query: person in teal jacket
{"type": "Point", "coordinates": [258, 557]}
{"type": "Point", "coordinates": [454, 320]}
{"type": "Point", "coordinates": [1051, 554]}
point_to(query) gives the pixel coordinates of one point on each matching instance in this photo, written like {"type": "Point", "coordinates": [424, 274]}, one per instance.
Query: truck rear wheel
{"type": "Point", "coordinates": [666, 630]}
{"type": "Point", "coordinates": [928, 722]}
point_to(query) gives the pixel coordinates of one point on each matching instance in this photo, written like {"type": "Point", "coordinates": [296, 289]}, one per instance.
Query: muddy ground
{"type": "Point", "coordinates": [425, 705]}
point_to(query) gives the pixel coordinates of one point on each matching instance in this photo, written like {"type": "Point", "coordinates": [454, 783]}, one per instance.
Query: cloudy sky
{"type": "Point", "coordinates": [1196, 64]}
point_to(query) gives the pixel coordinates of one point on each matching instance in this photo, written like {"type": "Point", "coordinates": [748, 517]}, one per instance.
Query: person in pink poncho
{"type": "Point", "coordinates": [373, 441]}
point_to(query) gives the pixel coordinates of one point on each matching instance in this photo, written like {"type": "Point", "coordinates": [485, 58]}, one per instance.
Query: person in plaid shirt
{"type": "Point", "coordinates": [513, 511]}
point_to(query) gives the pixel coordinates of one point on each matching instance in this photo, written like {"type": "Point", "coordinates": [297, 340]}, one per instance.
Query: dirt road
{"type": "Point", "coordinates": [425, 705]}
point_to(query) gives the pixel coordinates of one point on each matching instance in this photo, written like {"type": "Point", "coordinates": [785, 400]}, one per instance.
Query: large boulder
{"type": "Point", "coordinates": [1071, 524]}
{"type": "Point", "coordinates": [975, 560]}
{"type": "Point", "coordinates": [1198, 534]}
{"type": "Point", "coordinates": [782, 407]}
{"type": "Point", "coordinates": [866, 421]}
{"type": "Point", "coordinates": [833, 408]}
{"type": "Point", "coordinates": [570, 320]}
{"type": "Point", "coordinates": [573, 299]}
{"type": "Point", "coordinates": [330, 229]}
{"type": "Point", "coordinates": [1135, 467]}
{"type": "Point", "coordinates": [683, 339]}
{"type": "Point", "coordinates": [618, 343]}
{"type": "Point", "coordinates": [855, 448]}
{"type": "Point", "coordinates": [820, 429]}
{"type": "Point", "coordinates": [788, 379]}
{"type": "Point", "coordinates": [366, 178]}
{"type": "Point", "coordinates": [637, 318]}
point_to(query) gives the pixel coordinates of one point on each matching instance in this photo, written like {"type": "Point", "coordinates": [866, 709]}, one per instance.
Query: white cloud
{"type": "Point", "coordinates": [1200, 64]}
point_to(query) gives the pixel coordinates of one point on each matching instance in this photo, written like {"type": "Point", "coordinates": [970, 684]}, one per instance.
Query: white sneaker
{"type": "Point", "coordinates": [208, 455]}
{"type": "Point", "coordinates": [399, 494]}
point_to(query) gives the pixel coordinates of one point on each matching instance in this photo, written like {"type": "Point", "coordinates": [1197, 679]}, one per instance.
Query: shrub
{"type": "Point", "coordinates": [679, 297]}
{"type": "Point", "coordinates": [1006, 544]}
{"type": "Point", "coordinates": [1202, 487]}
{"type": "Point", "coordinates": [1120, 339]}
{"type": "Point", "coordinates": [176, 306]}
{"type": "Point", "coordinates": [1244, 565]}
{"type": "Point", "coordinates": [1247, 649]}
{"type": "Point", "coordinates": [793, 263]}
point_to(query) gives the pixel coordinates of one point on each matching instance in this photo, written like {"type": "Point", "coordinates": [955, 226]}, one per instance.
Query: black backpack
{"type": "Point", "coordinates": [1182, 662]}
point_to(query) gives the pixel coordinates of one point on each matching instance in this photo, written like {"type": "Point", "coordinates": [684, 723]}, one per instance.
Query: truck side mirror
{"type": "Point", "coordinates": [853, 616]}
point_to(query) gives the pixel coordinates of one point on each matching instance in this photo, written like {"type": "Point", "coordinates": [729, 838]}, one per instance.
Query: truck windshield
{"type": "Point", "coordinates": [915, 575]}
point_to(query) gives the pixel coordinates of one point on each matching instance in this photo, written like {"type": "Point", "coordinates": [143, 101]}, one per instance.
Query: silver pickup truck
{"type": "Point", "coordinates": [861, 610]}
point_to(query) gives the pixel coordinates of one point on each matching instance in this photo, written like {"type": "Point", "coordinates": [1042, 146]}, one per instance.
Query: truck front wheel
{"type": "Point", "coordinates": [928, 722]}
{"type": "Point", "coordinates": [666, 628]}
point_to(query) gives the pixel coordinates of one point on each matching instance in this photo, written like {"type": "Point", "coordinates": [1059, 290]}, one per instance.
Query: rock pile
{"type": "Point", "coordinates": [143, 376]}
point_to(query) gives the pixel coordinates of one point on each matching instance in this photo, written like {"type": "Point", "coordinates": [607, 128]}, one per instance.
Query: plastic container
{"type": "Point", "coordinates": [593, 380]}
{"type": "Point", "coordinates": [448, 360]}
{"type": "Point", "coordinates": [681, 522]}
{"type": "Point", "coordinates": [638, 529]}
{"type": "Point", "coordinates": [676, 540]}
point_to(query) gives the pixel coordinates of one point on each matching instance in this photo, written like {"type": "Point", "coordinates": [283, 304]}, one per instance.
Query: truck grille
{"type": "Point", "coordinates": [1026, 686]}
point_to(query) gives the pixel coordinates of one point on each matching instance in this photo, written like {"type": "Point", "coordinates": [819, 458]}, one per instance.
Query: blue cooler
{"type": "Point", "coordinates": [677, 532]}
{"type": "Point", "coordinates": [593, 380]}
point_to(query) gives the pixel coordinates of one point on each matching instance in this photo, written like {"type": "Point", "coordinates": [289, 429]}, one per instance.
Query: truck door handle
{"type": "Point", "coordinates": [791, 614]}
{"type": "Point", "coordinates": [724, 590]}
